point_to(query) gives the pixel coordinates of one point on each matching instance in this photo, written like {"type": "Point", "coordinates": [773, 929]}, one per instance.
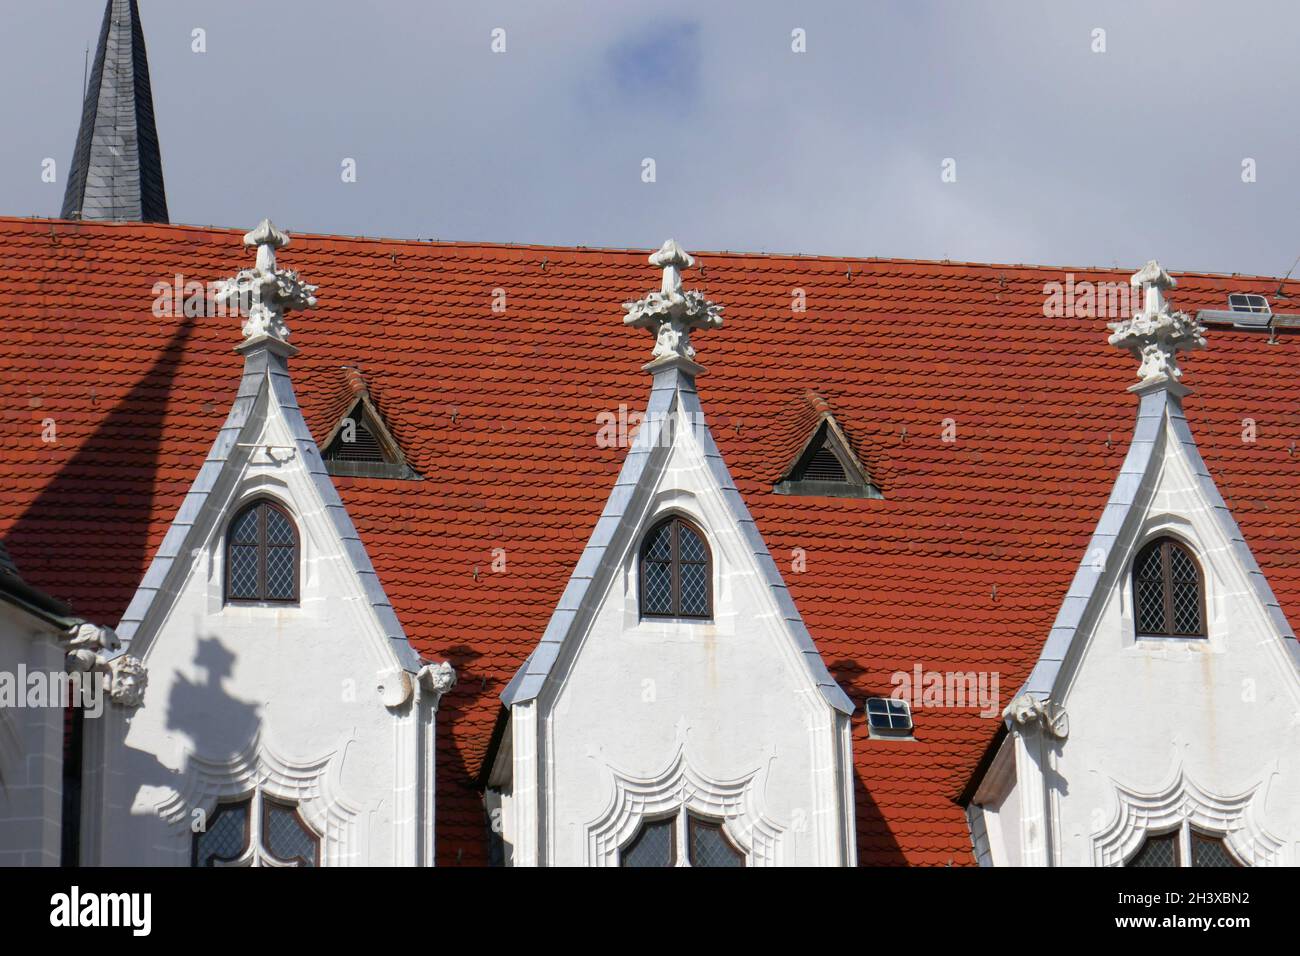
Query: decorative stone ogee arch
{"type": "Point", "coordinates": [1236, 817]}
{"type": "Point", "coordinates": [312, 784]}
{"type": "Point", "coordinates": [680, 786]}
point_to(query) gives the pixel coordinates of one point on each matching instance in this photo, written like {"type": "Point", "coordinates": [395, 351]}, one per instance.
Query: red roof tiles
{"type": "Point", "coordinates": [961, 567]}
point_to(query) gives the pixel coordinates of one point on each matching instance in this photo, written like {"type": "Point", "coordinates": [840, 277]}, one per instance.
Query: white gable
{"type": "Point", "coordinates": [320, 702]}
{"type": "Point", "coordinates": [617, 717]}
{"type": "Point", "coordinates": [1117, 736]}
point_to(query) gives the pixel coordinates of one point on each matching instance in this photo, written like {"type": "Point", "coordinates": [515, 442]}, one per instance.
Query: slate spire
{"type": "Point", "coordinates": [116, 170]}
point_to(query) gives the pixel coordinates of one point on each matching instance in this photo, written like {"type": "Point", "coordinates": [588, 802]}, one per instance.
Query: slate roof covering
{"type": "Point", "coordinates": [116, 169]}
{"type": "Point", "coordinates": [962, 566]}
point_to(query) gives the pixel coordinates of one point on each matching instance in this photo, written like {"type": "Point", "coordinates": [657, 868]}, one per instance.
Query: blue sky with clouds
{"type": "Point", "coordinates": [1063, 155]}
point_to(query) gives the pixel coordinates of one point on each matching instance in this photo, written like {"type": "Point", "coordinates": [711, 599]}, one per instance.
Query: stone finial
{"type": "Point", "coordinates": [1156, 334]}
{"type": "Point", "coordinates": [672, 312]}
{"type": "Point", "coordinates": [264, 293]}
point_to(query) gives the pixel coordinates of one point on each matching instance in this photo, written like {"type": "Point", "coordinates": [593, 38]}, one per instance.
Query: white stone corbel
{"type": "Point", "coordinates": [87, 649]}
{"type": "Point", "coordinates": [437, 680]}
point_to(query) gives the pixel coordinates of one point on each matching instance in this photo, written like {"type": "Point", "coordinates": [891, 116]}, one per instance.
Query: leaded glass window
{"type": "Point", "coordinates": [1168, 598]}
{"type": "Point", "coordinates": [262, 555]}
{"type": "Point", "coordinates": [706, 841]}
{"type": "Point", "coordinates": [256, 831]}
{"type": "Point", "coordinates": [676, 571]}
{"type": "Point", "coordinates": [654, 845]}
{"type": "Point", "coordinates": [1157, 850]}
{"type": "Point", "coordinates": [1185, 846]}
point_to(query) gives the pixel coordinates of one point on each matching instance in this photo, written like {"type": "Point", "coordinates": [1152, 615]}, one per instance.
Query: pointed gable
{"type": "Point", "coordinates": [265, 393]}
{"type": "Point", "coordinates": [673, 414]}
{"type": "Point", "coordinates": [1154, 336]}
{"type": "Point", "coordinates": [116, 170]}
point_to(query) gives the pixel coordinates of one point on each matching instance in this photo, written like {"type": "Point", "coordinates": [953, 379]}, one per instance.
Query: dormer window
{"type": "Point", "coordinates": [360, 444]}
{"type": "Point", "coordinates": [889, 717]}
{"type": "Point", "coordinates": [1168, 595]}
{"type": "Point", "coordinates": [706, 841]}
{"type": "Point", "coordinates": [676, 571]}
{"type": "Point", "coordinates": [262, 555]}
{"type": "Point", "coordinates": [826, 465]}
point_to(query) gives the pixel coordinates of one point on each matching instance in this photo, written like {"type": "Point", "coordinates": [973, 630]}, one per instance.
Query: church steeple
{"type": "Point", "coordinates": [116, 170]}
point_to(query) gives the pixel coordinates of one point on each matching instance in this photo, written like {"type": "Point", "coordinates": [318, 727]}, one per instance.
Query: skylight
{"type": "Point", "coordinates": [1248, 302]}
{"type": "Point", "coordinates": [889, 717]}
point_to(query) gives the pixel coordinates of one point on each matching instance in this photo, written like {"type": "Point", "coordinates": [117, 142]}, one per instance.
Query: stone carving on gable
{"type": "Point", "coordinates": [1155, 334]}
{"type": "Point", "coordinates": [266, 292]}
{"type": "Point", "coordinates": [88, 646]}
{"type": "Point", "coordinates": [1026, 711]}
{"type": "Point", "coordinates": [672, 312]}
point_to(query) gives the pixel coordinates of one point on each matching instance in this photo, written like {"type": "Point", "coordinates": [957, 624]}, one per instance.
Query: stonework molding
{"type": "Point", "coordinates": [438, 680]}
{"type": "Point", "coordinates": [671, 313]}
{"type": "Point", "coordinates": [312, 784]}
{"type": "Point", "coordinates": [1155, 335]}
{"type": "Point", "coordinates": [265, 293]}
{"type": "Point", "coordinates": [1236, 817]}
{"type": "Point", "coordinates": [680, 786]}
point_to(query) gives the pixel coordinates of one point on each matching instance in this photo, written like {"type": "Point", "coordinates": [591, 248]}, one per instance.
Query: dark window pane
{"type": "Point", "coordinates": [710, 846]}
{"type": "Point", "coordinates": [1157, 851]}
{"type": "Point", "coordinates": [1187, 609]}
{"type": "Point", "coordinates": [690, 545]}
{"type": "Point", "coordinates": [225, 837]}
{"type": "Point", "coordinates": [660, 545]}
{"type": "Point", "coordinates": [281, 570]}
{"type": "Point", "coordinates": [652, 846]}
{"type": "Point", "coordinates": [1210, 851]}
{"type": "Point", "coordinates": [658, 596]}
{"type": "Point", "coordinates": [1180, 565]}
{"type": "Point", "coordinates": [1148, 564]}
{"type": "Point", "coordinates": [243, 571]}
{"type": "Point", "coordinates": [278, 529]}
{"type": "Point", "coordinates": [245, 527]}
{"type": "Point", "coordinates": [695, 589]}
{"type": "Point", "coordinates": [1150, 607]}
{"type": "Point", "coordinates": [285, 837]}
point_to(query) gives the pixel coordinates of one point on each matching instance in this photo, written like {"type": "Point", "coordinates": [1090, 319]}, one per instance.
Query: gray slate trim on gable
{"type": "Point", "coordinates": [1156, 406]}
{"type": "Point", "coordinates": [266, 371]}
{"type": "Point", "coordinates": [672, 387]}
{"type": "Point", "coordinates": [116, 168]}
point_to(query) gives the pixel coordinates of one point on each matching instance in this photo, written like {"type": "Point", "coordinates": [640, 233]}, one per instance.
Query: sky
{"type": "Point", "coordinates": [1062, 154]}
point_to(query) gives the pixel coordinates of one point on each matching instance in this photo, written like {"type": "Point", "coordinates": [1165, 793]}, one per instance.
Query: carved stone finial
{"type": "Point", "coordinates": [1028, 712]}
{"type": "Point", "coordinates": [266, 292]}
{"type": "Point", "coordinates": [672, 312]}
{"type": "Point", "coordinates": [1156, 334]}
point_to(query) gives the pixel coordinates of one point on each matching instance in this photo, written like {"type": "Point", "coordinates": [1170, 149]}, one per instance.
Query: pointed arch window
{"type": "Point", "coordinates": [1168, 591]}
{"type": "Point", "coordinates": [676, 571]}
{"type": "Point", "coordinates": [262, 555]}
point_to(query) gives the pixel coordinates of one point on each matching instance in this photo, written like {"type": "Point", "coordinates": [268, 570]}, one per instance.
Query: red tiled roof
{"type": "Point", "coordinates": [498, 412]}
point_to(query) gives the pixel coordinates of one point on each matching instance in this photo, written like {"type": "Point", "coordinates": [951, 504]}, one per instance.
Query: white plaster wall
{"type": "Point", "coordinates": [31, 748]}
{"type": "Point", "coordinates": [282, 697]}
{"type": "Point", "coordinates": [1225, 710]}
{"type": "Point", "coordinates": [732, 692]}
